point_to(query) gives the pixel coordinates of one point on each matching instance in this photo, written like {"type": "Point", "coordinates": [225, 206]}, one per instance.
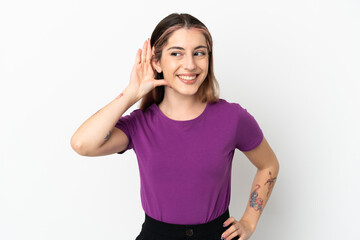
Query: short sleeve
{"type": "Point", "coordinates": [126, 124]}
{"type": "Point", "coordinates": [248, 133]}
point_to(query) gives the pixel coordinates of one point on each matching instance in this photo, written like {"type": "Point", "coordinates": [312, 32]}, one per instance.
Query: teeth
{"type": "Point", "coordinates": [187, 78]}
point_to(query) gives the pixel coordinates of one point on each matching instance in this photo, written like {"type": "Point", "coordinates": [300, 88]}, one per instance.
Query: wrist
{"type": "Point", "coordinates": [249, 223]}
{"type": "Point", "coordinates": [129, 94]}
{"type": "Point", "coordinates": [132, 93]}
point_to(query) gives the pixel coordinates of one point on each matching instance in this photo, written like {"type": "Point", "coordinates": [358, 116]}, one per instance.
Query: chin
{"type": "Point", "coordinates": [189, 92]}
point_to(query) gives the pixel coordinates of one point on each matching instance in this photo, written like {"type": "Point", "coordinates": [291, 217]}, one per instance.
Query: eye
{"type": "Point", "coordinates": [174, 54]}
{"type": "Point", "coordinates": [201, 53]}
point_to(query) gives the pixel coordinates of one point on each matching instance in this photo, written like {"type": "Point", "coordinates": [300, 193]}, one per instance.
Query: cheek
{"type": "Point", "coordinates": [170, 68]}
{"type": "Point", "coordinates": [205, 68]}
{"type": "Point", "coordinates": [203, 63]}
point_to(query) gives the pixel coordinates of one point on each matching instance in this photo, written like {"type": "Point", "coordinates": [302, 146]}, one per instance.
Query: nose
{"type": "Point", "coordinates": [189, 63]}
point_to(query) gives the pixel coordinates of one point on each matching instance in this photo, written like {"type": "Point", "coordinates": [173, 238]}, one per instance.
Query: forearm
{"type": "Point", "coordinates": [97, 129]}
{"type": "Point", "coordinates": [261, 189]}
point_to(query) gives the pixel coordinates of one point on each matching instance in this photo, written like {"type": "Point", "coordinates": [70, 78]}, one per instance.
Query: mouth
{"type": "Point", "coordinates": [188, 79]}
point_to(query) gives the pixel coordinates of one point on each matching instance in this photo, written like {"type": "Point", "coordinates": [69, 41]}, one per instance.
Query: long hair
{"type": "Point", "coordinates": [209, 90]}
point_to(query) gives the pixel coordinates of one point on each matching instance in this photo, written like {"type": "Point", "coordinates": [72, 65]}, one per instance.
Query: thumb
{"type": "Point", "coordinates": [160, 83]}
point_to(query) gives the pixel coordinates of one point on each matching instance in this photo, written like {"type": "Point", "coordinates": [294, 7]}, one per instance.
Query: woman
{"type": "Point", "coordinates": [184, 137]}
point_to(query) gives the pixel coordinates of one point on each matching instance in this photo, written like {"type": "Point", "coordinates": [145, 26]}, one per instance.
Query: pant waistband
{"type": "Point", "coordinates": [190, 231]}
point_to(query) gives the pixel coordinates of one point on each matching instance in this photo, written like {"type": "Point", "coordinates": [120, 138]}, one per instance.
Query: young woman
{"type": "Point", "coordinates": [184, 137]}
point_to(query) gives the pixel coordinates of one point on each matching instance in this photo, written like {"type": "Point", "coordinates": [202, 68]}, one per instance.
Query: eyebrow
{"type": "Point", "coordinates": [180, 48]}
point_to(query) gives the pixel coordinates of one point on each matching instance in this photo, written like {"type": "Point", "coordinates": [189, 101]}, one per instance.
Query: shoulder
{"type": "Point", "coordinates": [228, 106]}
{"type": "Point", "coordinates": [234, 110]}
{"type": "Point", "coordinates": [130, 118]}
{"type": "Point", "coordinates": [139, 115]}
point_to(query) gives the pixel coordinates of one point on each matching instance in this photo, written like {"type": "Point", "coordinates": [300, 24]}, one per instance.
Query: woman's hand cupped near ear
{"type": "Point", "coordinates": [142, 79]}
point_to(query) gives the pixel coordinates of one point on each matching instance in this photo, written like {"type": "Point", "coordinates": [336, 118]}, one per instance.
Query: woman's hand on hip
{"type": "Point", "coordinates": [241, 228]}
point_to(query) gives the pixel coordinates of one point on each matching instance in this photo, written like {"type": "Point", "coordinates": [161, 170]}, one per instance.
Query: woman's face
{"type": "Point", "coordinates": [184, 61]}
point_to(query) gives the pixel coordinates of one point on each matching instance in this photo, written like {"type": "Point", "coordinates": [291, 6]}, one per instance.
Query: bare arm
{"type": "Point", "coordinates": [267, 166]}
{"type": "Point", "coordinates": [96, 130]}
{"type": "Point", "coordinates": [93, 137]}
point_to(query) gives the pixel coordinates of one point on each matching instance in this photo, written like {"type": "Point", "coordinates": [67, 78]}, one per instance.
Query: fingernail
{"type": "Point", "coordinates": [224, 225]}
{"type": "Point", "coordinates": [222, 238]}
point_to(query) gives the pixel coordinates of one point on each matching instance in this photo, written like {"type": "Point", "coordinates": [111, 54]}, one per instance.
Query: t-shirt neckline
{"type": "Point", "coordinates": [182, 121]}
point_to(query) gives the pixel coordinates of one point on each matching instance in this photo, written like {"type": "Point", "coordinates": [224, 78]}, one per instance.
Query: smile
{"type": "Point", "coordinates": [188, 79]}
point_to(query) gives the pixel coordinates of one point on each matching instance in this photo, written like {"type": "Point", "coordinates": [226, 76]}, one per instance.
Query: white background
{"type": "Point", "coordinates": [294, 65]}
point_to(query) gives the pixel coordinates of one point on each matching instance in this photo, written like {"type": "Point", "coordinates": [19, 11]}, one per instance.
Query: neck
{"type": "Point", "coordinates": [181, 106]}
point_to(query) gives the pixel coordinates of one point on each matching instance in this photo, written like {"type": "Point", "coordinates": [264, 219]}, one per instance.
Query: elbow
{"type": "Point", "coordinates": [273, 165]}
{"type": "Point", "coordinates": [276, 166]}
{"type": "Point", "coordinates": [78, 147]}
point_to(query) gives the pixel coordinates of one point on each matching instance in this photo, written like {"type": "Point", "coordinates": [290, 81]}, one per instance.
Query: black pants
{"type": "Point", "coordinates": [153, 229]}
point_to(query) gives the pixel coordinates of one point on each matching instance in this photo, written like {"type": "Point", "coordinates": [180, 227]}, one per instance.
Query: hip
{"type": "Point", "coordinates": [153, 229]}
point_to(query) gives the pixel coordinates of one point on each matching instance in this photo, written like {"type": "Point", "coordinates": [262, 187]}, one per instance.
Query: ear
{"type": "Point", "coordinates": [156, 65]}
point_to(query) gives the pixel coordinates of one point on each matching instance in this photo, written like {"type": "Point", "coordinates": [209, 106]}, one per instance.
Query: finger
{"type": "Point", "coordinates": [149, 53]}
{"type": "Point", "coordinates": [233, 235]}
{"type": "Point", "coordinates": [138, 56]}
{"type": "Point", "coordinates": [228, 221]}
{"type": "Point", "coordinates": [143, 52]}
{"type": "Point", "coordinates": [228, 232]}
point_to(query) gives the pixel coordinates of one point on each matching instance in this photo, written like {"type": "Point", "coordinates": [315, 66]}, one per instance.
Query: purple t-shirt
{"type": "Point", "coordinates": [185, 166]}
